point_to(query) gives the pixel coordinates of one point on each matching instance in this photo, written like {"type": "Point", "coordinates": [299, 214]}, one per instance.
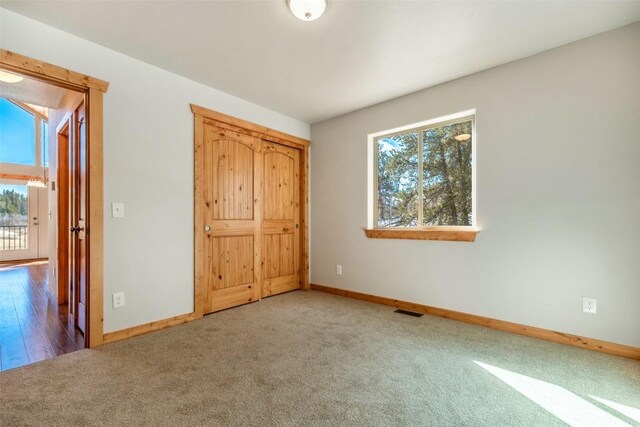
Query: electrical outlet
{"type": "Point", "coordinates": [339, 270]}
{"type": "Point", "coordinates": [589, 305]}
{"type": "Point", "coordinates": [118, 300]}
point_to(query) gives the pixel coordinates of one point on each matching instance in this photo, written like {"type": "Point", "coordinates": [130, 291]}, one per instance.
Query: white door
{"type": "Point", "coordinates": [21, 220]}
{"type": "Point", "coordinates": [42, 219]}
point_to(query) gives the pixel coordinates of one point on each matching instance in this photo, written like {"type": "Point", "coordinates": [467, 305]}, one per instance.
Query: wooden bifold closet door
{"type": "Point", "coordinates": [232, 179]}
{"type": "Point", "coordinates": [281, 215]}
{"type": "Point", "coordinates": [250, 210]}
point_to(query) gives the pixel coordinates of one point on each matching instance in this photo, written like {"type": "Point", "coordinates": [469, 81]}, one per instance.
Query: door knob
{"type": "Point", "coordinates": [207, 228]}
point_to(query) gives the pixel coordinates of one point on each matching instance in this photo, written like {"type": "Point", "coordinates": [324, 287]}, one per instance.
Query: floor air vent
{"type": "Point", "coordinates": [408, 313]}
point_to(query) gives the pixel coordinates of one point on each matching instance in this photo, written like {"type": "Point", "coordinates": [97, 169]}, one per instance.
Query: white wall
{"type": "Point", "coordinates": [148, 165]}
{"type": "Point", "coordinates": [558, 184]}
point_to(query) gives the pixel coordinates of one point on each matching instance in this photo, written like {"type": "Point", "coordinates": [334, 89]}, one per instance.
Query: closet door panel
{"type": "Point", "coordinates": [281, 219]}
{"type": "Point", "coordinates": [231, 175]}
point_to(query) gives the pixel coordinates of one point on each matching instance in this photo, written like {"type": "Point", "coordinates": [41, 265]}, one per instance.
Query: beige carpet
{"type": "Point", "coordinates": [307, 358]}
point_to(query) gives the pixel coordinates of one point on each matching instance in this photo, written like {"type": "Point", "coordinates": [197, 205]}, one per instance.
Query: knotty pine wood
{"type": "Point", "coordinates": [134, 331]}
{"type": "Point", "coordinates": [49, 73]}
{"type": "Point", "coordinates": [231, 203]}
{"type": "Point", "coordinates": [95, 212]}
{"type": "Point", "coordinates": [244, 126]}
{"type": "Point", "coordinates": [251, 135]}
{"type": "Point", "coordinates": [281, 221]}
{"type": "Point", "coordinates": [200, 293]}
{"type": "Point", "coordinates": [440, 233]}
{"type": "Point", "coordinates": [17, 177]}
{"type": "Point", "coordinates": [304, 220]}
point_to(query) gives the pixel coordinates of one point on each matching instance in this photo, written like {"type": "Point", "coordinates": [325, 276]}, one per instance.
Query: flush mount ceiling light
{"type": "Point", "coordinates": [462, 137]}
{"type": "Point", "coordinates": [9, 77]}
{"type": "Point", "coordinates": [37, 181]}
{"type": "Point", "coordinates": [307, 10]}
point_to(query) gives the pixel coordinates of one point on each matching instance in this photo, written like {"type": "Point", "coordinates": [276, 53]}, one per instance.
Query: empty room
{"type": "Point", "coordinates": [320, 212]}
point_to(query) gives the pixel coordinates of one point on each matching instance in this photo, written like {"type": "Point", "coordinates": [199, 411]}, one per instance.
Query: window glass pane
{"type": "Point", "coordinates": [17, 134]}
{"type": "Point", "coordinates": [398, 180]}
{"type": "Point", "coordinates": [446, 182]}
{"type": "Point", "coordinates": [44, 134]}
{"type": "Point", "coordinates": [14, 215]}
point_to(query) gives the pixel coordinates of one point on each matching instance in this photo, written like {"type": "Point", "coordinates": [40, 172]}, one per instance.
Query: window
{"type": "Point", "coordinates": [14, 215]}
{"type": "Point", "coordinates": [24, 134]}
{"type": "Point", "coordinates": [17, 134]}
{"type": "Point", "coordinates": [423, 179]}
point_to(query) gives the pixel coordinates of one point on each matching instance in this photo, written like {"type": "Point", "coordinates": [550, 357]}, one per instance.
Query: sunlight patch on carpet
{"type": "Point", "coordinates": [629, 411]}
{"type": "Point", "coordinates": [557, 400]}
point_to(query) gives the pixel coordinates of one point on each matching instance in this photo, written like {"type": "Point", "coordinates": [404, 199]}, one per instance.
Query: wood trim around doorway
{"type": "Point", "coordinates": [204, 115]}
{"type": "Point", "coordinates": [50, 73]}
{"type": "Point", "coordinates": [62, 182]}
{"type": "Point", "coordinates": [233, 123]}
{"type": "Point", "coordinates": [94, 90]}
{"type": "Point", "coordinates": [94, 100]}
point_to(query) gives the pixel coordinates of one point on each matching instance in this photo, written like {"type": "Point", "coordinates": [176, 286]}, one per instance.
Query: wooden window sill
{"type": "Point", "coordinates": [450, 234]}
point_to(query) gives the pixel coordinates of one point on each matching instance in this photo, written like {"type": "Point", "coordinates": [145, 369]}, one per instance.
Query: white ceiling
{"type": "Point", "coordinates": [358, 54]}
{"type": "Point", "coordinates": [33, 92]}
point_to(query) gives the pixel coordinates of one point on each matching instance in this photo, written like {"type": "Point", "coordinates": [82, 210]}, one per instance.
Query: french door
{"type": "Point", "coordinates": [23, 223]}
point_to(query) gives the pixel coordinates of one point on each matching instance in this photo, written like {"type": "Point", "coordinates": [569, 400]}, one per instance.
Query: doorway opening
{"type": "Point", "coordinates": [45, 215]}
{"type": "Point", "coordinates": [24, 167]}
{"type": "Point", "coordinates": [37, 323]}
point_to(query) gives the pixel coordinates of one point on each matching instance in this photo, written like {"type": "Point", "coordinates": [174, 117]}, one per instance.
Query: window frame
{"type": "Point", "coordinates": [45, 140]}
{"type": "Point", "coordinates": [38, 119]}
{"type": "Point", "coordinates": [420, 232]}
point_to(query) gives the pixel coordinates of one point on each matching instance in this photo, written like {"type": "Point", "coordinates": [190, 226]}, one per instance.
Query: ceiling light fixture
{"type": "Point", "coordinates": [307, 10]}
{"type": "Point", "coordinates": [9, 77]}
{"type": "Point", "coordinates": [38, 181]}
{"type": "Point", "coordinates": [462, 137]}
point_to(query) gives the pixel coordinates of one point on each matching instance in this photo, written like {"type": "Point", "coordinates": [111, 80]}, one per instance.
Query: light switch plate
{"type": "Point", "coordinates": [117, 210]}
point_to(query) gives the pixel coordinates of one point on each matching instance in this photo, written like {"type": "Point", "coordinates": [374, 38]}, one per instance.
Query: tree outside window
{"type": "Point", "coordinates": [424, 176]}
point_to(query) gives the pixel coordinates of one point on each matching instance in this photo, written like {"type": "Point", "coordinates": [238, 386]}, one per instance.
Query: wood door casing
{"type": "Point", "coordinates": [64, 235]}
{"type": "Point", "coordinates": [281, 219]}
{"type": "Point", "coordinates": [231, 196]}
{"type": "Point", "coordinates": [79, 212]}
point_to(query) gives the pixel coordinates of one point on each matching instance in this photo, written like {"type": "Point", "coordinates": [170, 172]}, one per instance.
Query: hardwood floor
{"type": "Point", "coordinates": [32, 328]}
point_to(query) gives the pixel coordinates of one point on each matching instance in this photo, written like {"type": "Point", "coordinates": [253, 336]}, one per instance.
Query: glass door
{"type": "Point", "coordinates": [18, 221]}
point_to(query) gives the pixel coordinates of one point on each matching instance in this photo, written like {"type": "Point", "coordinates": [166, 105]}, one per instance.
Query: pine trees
{"type": "Point", "coordinates": [446, 177]}
{"type": "Point", "coordinates": [14, 208]}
